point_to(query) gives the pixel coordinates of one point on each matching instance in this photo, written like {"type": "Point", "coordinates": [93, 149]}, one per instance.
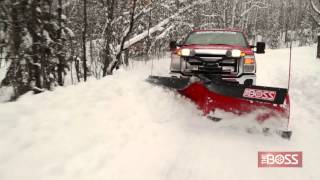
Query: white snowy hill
{"type": "Point", "coordinates": [122, 128]}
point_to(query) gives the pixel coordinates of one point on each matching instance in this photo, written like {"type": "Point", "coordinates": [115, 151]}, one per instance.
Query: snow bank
{"type": "Point", "coordinates": [121, 127]}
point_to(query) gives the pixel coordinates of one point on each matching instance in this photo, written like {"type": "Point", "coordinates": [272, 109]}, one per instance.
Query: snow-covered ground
{"type": "Point", "coordinates": [121, 127]}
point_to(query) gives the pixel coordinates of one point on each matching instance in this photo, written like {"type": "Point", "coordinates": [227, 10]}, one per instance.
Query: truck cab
{"type": "Point", "coordinates": [220, 54]}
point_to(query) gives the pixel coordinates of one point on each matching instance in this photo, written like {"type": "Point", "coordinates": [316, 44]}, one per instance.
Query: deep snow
{"type": "Point", "coordinates": [121, 127]}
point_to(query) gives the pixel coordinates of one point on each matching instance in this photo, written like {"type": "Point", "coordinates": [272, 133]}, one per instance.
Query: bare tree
{"type": "Point", "coordinates": [317, 11]}
{"type": "Point", "coordinates": [60, 55]}
{"type": "Point", "coordinates": [84, 39]}
{"type": "Point", "coordinates": [126, 36]}
{"type": "Point", "coordinates": [108, 30]}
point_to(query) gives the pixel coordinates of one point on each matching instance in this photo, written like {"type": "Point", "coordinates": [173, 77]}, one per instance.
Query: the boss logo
{"type": "Point", "coordinates": [279, 159]}
{"type": "Point", "coordinates": [260, 94]}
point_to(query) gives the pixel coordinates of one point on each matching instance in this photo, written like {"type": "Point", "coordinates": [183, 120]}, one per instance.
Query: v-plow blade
{"type": "Point", "coordinates": [267, 102]}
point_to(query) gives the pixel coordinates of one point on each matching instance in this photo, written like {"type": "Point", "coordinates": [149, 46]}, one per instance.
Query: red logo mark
{"type": "Point", "coordinates": [279, 159]}
{"type": "Point", "coordinates": [260, 94]}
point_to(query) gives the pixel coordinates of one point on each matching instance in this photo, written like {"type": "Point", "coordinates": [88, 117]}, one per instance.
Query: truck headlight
{"type": "Point", "coordinates": [236, 53]}
{"type": "Point", "coordinates": [185, 52]}
{"type": "Point", "coordinates": [249, 65]}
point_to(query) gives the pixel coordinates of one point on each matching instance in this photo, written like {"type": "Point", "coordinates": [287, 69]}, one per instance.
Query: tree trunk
{"type": "Point", "coordinates": [126, 57]}
{"type": "Point", "coordinates": [77, 68]}
{"type": "Point", "coordinates": [233, 13]}
{"type": "Point", "coordinates": [60, 56]}
{"type": "Point", "coordinates": [84, 39]}
{"type": "Point", "coordinates": [36, 79]}
{"type": "Point", "coordinates": [318, 49]}
{"type": "Point", "coordinates": [126, 36]}
{"type": "Point", "coordinates": [108, 37]}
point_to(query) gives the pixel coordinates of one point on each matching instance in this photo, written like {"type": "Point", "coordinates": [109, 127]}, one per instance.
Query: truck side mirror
{"type": "Point", "coordinates": [261, 46]}
{"type": "Point", "coordinates": [173, 45]}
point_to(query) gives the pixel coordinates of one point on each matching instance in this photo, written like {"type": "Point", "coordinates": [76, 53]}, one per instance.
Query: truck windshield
{"type": "Point", "coordinates": [217, 37]}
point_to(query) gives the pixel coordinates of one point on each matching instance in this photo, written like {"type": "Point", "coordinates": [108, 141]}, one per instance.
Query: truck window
{"type": "Point", "coordinates": [217, 37]}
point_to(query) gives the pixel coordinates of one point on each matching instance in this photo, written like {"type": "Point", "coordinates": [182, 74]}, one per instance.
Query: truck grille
{"type": "Point", "coordinates": [212, 64]}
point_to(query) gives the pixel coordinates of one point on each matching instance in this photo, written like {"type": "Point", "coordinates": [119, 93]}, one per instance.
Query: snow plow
{"type": "Point", "coordinates": [216, 69]}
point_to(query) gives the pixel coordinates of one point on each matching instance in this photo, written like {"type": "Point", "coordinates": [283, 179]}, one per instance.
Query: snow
{"type": "Point", "coordinates": [121, 127]}
{"type": "Point", "coordinates": [3, 67]}
{"type": "Point", "coordinates": [5, 92]}
{"type": "Point", "coordinates": [63, 17]}
{"type": "Point", "coordinates": [69, 32]}
{"type": "Point", "coordinates": [38, 10]}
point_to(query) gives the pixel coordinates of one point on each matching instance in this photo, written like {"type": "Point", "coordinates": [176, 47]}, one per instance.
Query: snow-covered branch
{"type": "Point", "coordinates": [249, 9]}
{"type": "Point", "coordinates": [158, 27]}
{"type": "Point", "coordinates": [210, 15]}
{"type": "Point", "coordinates": [314, 18]}
{"type": "Point", "coordinates": [143, 35]}
{"type": "Point", "coordinates": [314, 7]}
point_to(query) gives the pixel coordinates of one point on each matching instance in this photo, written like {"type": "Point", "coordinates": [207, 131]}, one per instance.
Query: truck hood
{"type": "Point", "coordinates": [219, 47]}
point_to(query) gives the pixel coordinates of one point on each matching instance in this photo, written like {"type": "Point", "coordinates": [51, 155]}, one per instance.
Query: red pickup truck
{"type": "Point", "coordinates": [221, 54]}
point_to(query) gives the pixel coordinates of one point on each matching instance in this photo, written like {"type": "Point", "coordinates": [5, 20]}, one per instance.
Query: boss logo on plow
{"type": "Point", "coordinates": [279, 159]}
{"type": "Point", "coordinates": [260, 94]}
